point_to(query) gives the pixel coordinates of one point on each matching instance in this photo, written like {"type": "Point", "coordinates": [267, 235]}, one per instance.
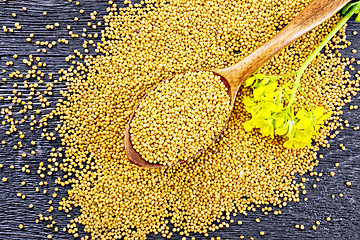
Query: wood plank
{"type": "Point", "coordinates": [14, 211]}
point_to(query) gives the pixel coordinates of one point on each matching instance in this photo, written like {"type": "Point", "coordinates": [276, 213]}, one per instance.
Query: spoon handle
{"type": "Point", "coordinates": [316, 13]}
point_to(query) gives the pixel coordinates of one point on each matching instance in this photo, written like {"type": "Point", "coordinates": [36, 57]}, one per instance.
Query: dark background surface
{"type": "Point", "coordinates": [344, 212]}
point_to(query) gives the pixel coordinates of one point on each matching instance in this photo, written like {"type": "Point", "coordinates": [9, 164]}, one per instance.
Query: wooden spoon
{"type": "Point", "coordinates": [234, 76]}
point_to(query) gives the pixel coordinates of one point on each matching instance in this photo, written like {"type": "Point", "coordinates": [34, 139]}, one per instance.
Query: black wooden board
{"type": "Point", "coordinates": [344, 212]}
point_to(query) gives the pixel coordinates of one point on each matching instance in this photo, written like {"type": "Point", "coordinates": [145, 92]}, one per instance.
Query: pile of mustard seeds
{"type": "Point", "coordinates": [145, 44]}
{"type": "Point", "coordinates": [182, 116]}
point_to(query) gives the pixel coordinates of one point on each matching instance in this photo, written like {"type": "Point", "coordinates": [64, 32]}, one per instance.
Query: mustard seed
{"type": "Point", "coordinates": [229, 176]}
{"type": "Point", "coordinates": [194, 106]}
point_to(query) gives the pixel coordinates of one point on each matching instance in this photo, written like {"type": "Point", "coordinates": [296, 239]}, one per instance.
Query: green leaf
{"type": "Point", "coordinates": [347, 8]}
{"type": "Point", "coordinates": [357, 19]}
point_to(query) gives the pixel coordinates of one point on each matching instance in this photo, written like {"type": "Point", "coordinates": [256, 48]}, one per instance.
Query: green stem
{"type": "Point", "coordinates": [307, 99]}
{"type": "Point", "coordinates": [318, 50]}
{"type": "Point", "coordinates": [287, 75]}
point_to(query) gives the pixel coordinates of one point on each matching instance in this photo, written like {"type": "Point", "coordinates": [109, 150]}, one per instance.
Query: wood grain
{"type": "Point", "coordinates": [345, 223]}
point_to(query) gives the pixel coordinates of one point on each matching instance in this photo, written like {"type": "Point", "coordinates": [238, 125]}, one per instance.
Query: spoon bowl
{"type": "Point", "coordinates": [233, 77]}
{"type": "Point", "coordinates": [138, 160]}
